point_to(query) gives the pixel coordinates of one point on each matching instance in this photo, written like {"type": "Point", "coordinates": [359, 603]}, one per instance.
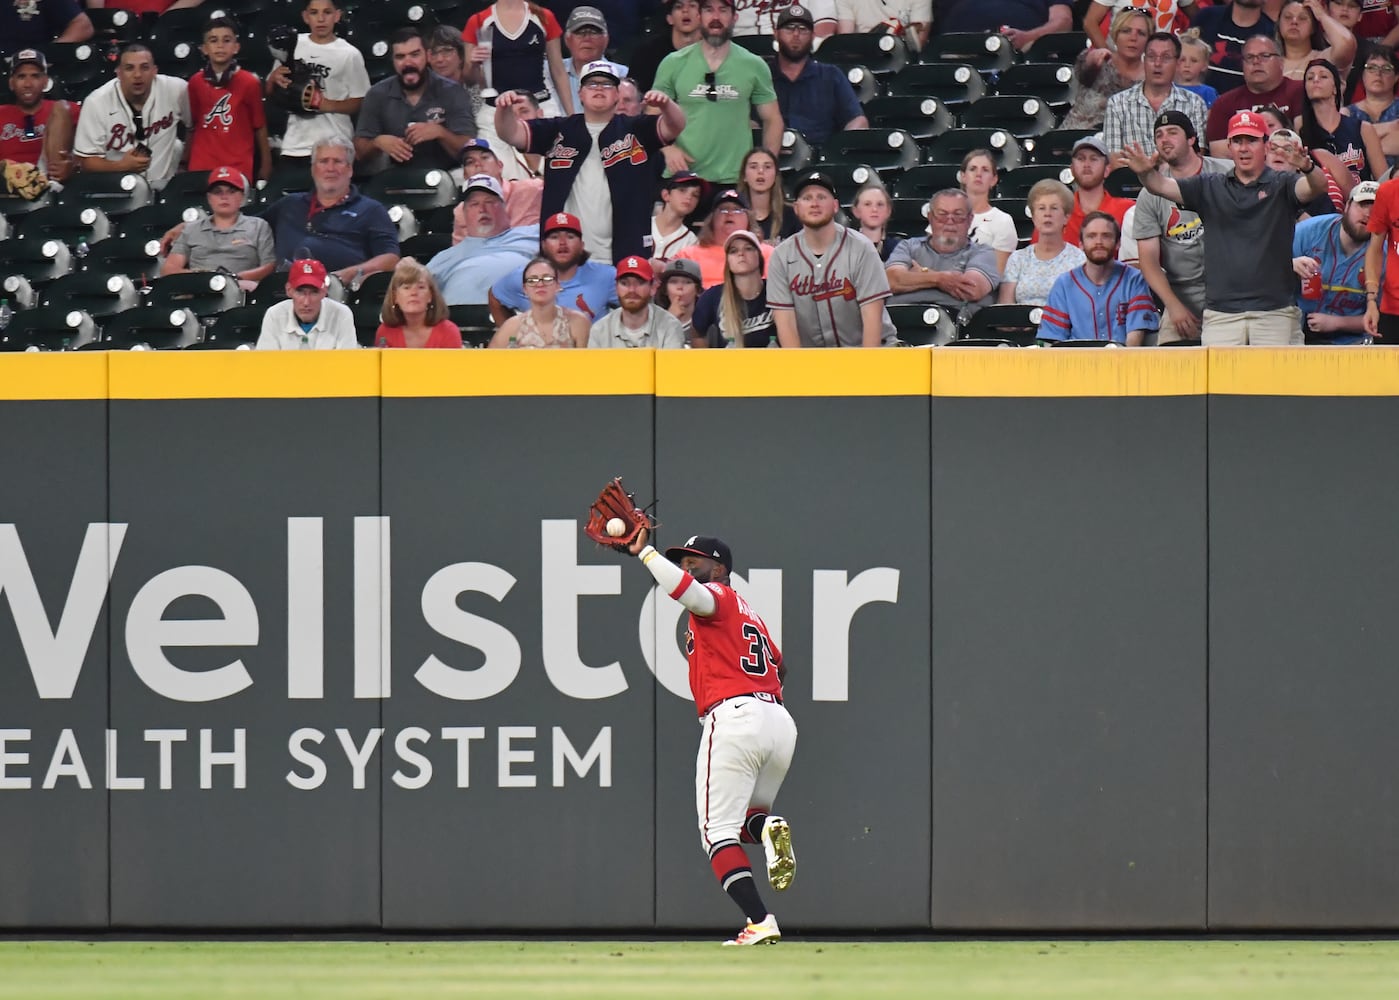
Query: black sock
{"type": "Point", "coordinates": [753, 826]}
{"type": "Point", "coordinates": [744, 892]}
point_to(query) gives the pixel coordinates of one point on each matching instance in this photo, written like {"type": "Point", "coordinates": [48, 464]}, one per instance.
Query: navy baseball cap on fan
{"type": "Point", "coordinates": [817, 178]}
{"type": "Point", "coordinates": [1178, 118]}
{"type": "Point", "coordinates": [702, 545]}
{"type": "Point", "coordinates": [682, 177]}
{"type": "Point", "coordinates": [730, 195]}
{"type": "Point", "coordinates": [32, 57]}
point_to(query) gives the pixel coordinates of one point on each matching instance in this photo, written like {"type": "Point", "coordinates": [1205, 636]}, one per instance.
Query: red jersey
{"type": "Point", "coordinates": [13, 144]}
{"type": "Point", "coordinates": [225, 120]}
{"type": "Point", "coordinates": [1384, 220]}
{"type": "Point", "coordinates": [730, 652]}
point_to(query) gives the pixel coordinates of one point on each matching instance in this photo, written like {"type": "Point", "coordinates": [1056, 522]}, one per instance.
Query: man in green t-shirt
{"type": "Point", "coordinates": [716, 84]}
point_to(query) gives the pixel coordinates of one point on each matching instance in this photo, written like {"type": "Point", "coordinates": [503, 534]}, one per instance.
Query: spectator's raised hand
{"type": "Point", "coordinates": [508, 101]}
{"type": "Point", "coordinates": [655, 99]}
{"type": "Point", "coordinates": [1139, 160]}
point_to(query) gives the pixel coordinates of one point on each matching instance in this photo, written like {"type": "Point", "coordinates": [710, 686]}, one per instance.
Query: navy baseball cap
{"type": "Point", "coordinates": [817, 178]}
{"type": "Point", "coordinates": [702, 545]}
{"type": "Point", "coordinates": [730, 195]}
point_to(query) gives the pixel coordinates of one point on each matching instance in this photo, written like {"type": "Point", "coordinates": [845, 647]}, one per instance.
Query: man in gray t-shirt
{"type": "Point", "coordinates": [1249, 284]}
{"type": "Point", "coordinates": [1171, 239]}
{"type": "Point", "coordinates": [945, 268]}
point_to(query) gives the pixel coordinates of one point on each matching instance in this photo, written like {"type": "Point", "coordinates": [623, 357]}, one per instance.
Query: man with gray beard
{"type": "Point", "coordinates": [946, 267]}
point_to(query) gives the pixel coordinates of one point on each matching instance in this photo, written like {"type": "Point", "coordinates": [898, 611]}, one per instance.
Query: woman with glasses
{"type": "Point", "coordinates": [1378, 76]}
{"type": "Point", "coordinates": [414, 313]}
{"type": "Point", "coordinates": [1339, 180]}
{"type": "Point", "coordinates": [1304, 26]}
{"type": "Point", "coordinates": [1104, 72]}
{"type": "Point", "coordinates": [729, 215]}
{"type": "Point", "coordinates": [759, 182]}
{"type": "Point", "coordinates": [446, 54]}
{"type": "Point", "coordinates": [735, 313]}
{"type": "Point", "coordinates": [990, 226]}
{"type": "Point", "coordinates": [543, 322]}
{"type": "Point", "coordinates": [1032, 270]}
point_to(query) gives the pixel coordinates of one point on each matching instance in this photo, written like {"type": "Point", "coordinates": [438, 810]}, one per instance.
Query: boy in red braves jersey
{"type": "Point", "coordinates": [226, 105]}
{"type": "Point", "coordinates": [33, 129]}
{"type": "Point", "coordinates": [736, 674]}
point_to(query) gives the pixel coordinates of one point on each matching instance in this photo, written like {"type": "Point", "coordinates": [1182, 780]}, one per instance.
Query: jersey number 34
{"type": "Point", "coordinates": [759, 656]}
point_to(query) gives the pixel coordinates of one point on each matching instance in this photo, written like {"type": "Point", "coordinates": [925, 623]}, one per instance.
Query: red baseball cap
{"type": "Point", "coordinates": [1247, 123]}
{"type": "Point", "coordinates": [307, 274]}
{"type": "Point", "coordinates": [227, 175]}
{"type": "Point", "coordinates": [562, 220]}
{"type": "Point", "coordinates": [637, 266]}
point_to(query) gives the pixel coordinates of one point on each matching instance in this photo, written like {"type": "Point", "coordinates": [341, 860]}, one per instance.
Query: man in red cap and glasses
{"type": "Point", "coordinates": [1250, 288]}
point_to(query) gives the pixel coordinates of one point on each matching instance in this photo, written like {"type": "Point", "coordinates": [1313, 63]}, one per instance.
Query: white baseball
{"type": "Point", "coordinates": [616, 527]}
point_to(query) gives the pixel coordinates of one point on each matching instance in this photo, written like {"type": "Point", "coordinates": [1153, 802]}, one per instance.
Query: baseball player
{"type": "Point", "coordinates": [736, 674]}
{"type": "Point", "coordinates": [826, 284]}
{"type": "Point", "coordinates": [129, 125]}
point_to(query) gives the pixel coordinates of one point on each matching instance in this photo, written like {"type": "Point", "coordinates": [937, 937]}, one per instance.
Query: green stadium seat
{"type": "Point", "coordinates": [956, 143]}
{"type": "Point", "coordinates": [73, 223]}
{"type": "Point", "coordinates": [1060, 47]}
{"type": "Point", "coordinates": [205, 293]}
{"type": "Point", "coordinates": [1021, 116]}
{"type": "Point", "coordinates": [96, 293]}
{"type": "Point", "coordinates": [1017, 183]}
{"type": "Point", "coordinates": [475, 323]}
{"type": "Point", "coordinates": [417, 188]}
{"type": "Point", "coordinates": [154, 329]}
{"type": "Point", "coordinates": [1016, 325]}
{"type": "Point", "coordinates": [908, 216]}
{"type": "Point", "coordinates": [920, 117]}
{"type": "Point", "coordinates": [926, 180]}
{"type": "Point", "coordinates": [987, 53]}
{"type": "Point", "coordinates": [116, 194]}
{"type": "Point", "coordinates": [425, 246]}
{"type": "Point", "coordinates": [1056, 146]}
{"type": "Point", "coordinates": [136, 257]}
{"type": "Point", "coordinates": [954, 84]}
{"type": "Point", "coordinates": [885, 149]}
{"type": "Point", "coordinates": [882, 55]}
{"type": "Point", "coordinates": [1122, 183]}
{"type": "Point", "coordinates": [234, 328]}
{"type": "Point", "coordinates": [32, 263]}
{"type": "Point", "coordinates": [1054, 83]}
{"type": "Point", "coordinates": [48, 328]}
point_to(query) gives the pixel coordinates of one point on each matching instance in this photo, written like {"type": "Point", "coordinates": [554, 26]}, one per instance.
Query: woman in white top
{"type": "Point", "coordinates": [1032, 270]}
{"type": "Point", "coordinates": [990, 226]}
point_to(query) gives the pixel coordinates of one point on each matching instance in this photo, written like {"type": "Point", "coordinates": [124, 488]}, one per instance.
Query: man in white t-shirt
{"type": "Point", "coordinates": [306, 320]}
{"type": "Point", "coordinates": [339, 83]}
{"type": "Point", "coordinates": [129, 125]}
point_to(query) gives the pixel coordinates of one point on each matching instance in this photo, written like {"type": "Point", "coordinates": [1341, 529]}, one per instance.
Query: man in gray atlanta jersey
{"type": "Point", "coordinates": [826, 284]}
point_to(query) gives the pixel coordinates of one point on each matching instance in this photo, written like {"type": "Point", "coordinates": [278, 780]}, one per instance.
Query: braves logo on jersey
{"type": "Point", "coordinates": [822, 291]}
{"type": "Point", "coordinates": [221, 112]}
{"type": "Point", "coordinates": [11, 132]}
{"type": "Point", "coordinates": [123, 134]}
{"type": "Point", "coordinates": [561, 157]}
{"type": "Point", "coordinates": [624, 149]}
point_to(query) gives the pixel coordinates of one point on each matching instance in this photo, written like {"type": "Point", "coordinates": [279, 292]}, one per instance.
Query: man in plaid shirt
{"type": "Point", "coordinates": [1131, 115]}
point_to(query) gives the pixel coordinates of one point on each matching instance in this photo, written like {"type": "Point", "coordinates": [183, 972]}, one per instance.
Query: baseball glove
{"type": "Point", "coordinates": [615, 504]}
{"type": "Point", "coordinates": [25, 180]}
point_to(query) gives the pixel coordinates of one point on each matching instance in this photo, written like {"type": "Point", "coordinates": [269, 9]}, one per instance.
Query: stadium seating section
{"type": "Point", "coordinates": [80, 267]}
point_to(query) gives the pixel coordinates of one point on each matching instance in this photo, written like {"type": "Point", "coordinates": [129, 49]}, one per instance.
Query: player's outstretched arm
{"type": "Point", "coordinates": [673, 580]}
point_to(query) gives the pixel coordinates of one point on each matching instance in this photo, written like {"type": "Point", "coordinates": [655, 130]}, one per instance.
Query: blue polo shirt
{"type": "Point", "coordinates": [343, 235]}
{"type": "Point", "coordinates": [592, 290]}
{"type": "Point", "coordinates": [818, 103]}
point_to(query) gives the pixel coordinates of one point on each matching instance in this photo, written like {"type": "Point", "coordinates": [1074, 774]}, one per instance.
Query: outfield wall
{"type": "Point", "coordinates": [1078, 640]}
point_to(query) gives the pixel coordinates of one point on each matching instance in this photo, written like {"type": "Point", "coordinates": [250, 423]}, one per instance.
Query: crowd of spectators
{"type": "Point", "coordinates": [624, 188]}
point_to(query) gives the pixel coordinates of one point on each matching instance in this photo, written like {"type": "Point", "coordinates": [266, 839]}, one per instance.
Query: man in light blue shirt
{"type": "Point", "coordinates": [490, 249]}
{"type": "Point", "coordinates": [585, 285]}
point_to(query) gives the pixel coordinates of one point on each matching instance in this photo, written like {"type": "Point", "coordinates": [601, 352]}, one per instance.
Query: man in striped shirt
{"type": "Point", "coordinates": [1103, 299]}
{"type": "Point", "coordinates": [1131, 114]}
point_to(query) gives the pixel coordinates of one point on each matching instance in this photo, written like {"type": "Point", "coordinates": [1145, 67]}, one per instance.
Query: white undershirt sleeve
{"type": "Point", "coordinates": [678, 584]}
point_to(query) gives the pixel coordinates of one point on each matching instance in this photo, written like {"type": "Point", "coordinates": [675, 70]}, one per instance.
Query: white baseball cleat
{"type": "Point", "coordinates": [777, 845]}
{"type": "Point", "coordinates": [765, 932]}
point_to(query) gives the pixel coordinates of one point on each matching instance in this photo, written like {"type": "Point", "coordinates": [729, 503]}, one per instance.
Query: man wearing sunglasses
{"type": "Point", "coordinates": [33, 129]}
{"type": "Point", "coordinates": [129, 125]}
{"type": "Point", "coordinates": [718, 86]}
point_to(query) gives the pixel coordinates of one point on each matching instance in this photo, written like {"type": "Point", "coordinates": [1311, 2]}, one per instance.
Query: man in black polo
{"type": "Point", "coordinates": [1250, 215]}
{"type": "Point", "coordinates": [414, 116]}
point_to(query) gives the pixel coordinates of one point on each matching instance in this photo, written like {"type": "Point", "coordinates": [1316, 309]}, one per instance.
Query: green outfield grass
{"type": "Point", "coordinates": [977, 970]}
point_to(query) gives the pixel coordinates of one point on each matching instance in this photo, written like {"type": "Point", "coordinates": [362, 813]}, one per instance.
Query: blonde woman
{"type": "Point", "coordinates": [1104, 72]}
{"type": "Point", "coordinates": [414, 313]}
{"type": "Point", "coordinates": [735, 313]}
{"type": "Point", "coordinates": [543, 323]}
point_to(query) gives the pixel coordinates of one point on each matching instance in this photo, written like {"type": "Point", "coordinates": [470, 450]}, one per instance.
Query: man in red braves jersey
{"type": "Point", "coordinates": [226, 105]}
{"type": "Point", "coordinates": [33, 129]}
{"type": "Point", "coordinates": [736, 674]}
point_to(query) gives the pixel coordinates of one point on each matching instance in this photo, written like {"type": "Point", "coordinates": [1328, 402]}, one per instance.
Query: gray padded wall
{"type": "Point", "coordinates": [513, 494]}
{"type": "Point", "coordinates": [1068, 663]}
{"type": "Point", "coordinates": [1304, 566]}
{"type": "Point", "coordinates": [53, 843]}
{"type": "Point", "coordinates": [213, 483]}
